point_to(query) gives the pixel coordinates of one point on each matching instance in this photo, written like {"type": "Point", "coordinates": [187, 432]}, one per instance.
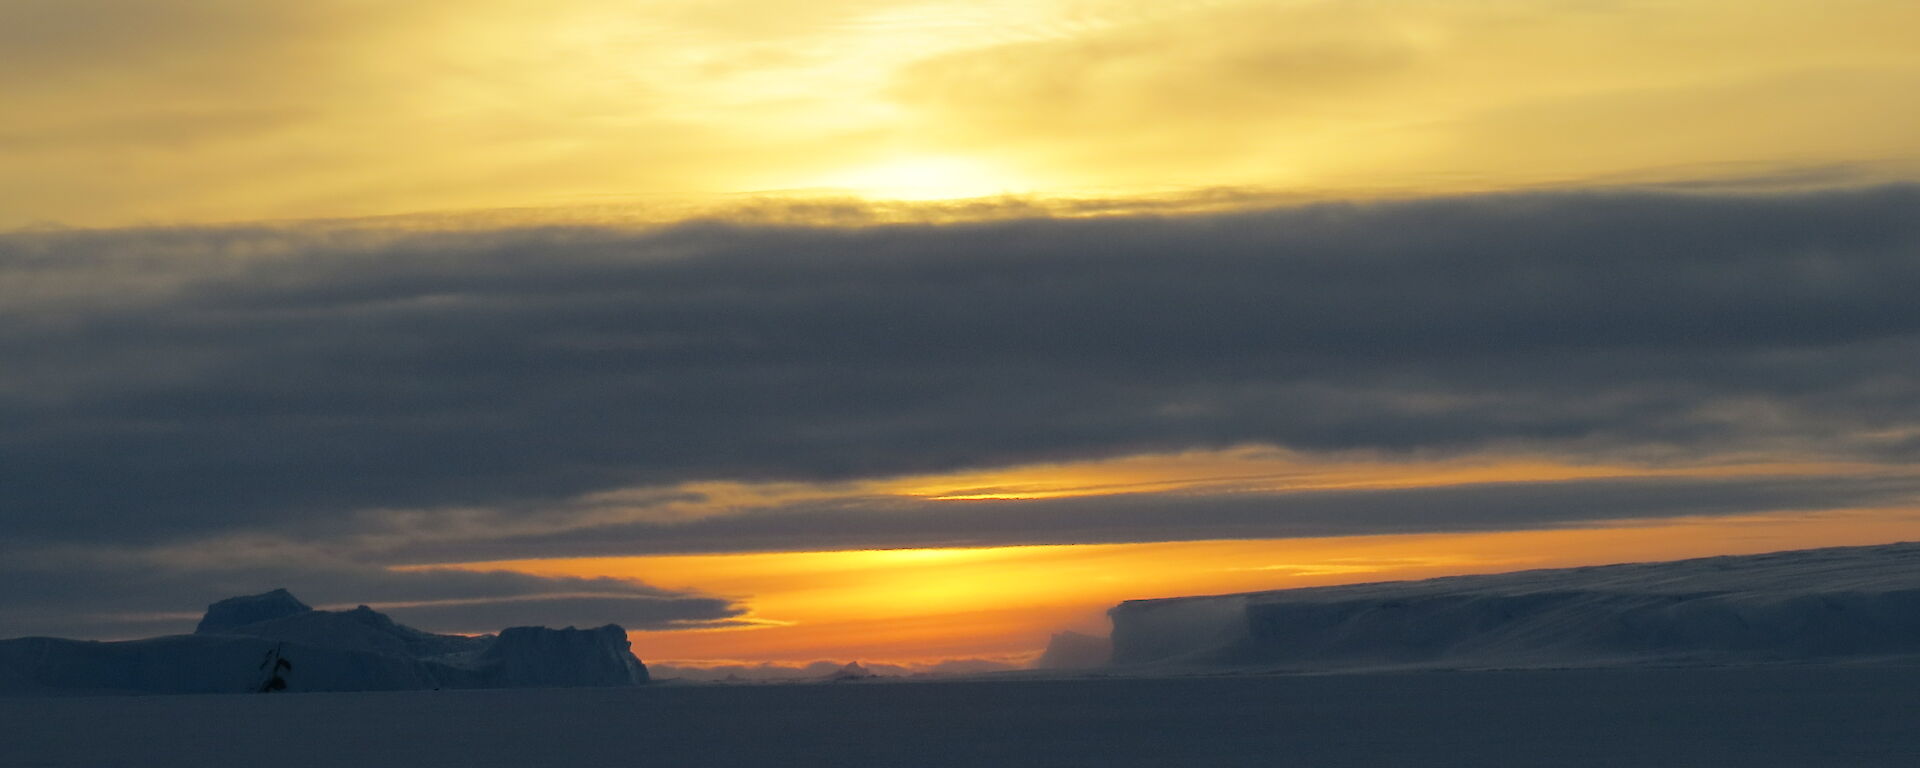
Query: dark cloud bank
{"type": "Point", "coordinates": [167, 385]}
{"type": "Point", "coordinates": [119, 594]}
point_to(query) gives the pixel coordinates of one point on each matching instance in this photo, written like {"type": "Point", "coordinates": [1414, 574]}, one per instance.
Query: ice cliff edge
{"type": "Point", "coordinates": [1851, 604]}
{"type": "Point", "coordinates": [240, 642]}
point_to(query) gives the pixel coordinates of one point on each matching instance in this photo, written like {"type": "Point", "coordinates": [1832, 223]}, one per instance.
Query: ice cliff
{"type": "Point", "coordinates": [235, 645]}
{"type": "Point", "coordinates": [1852, 604]}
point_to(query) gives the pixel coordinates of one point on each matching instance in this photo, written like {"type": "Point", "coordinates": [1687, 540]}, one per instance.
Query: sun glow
{"type": "Point", "coordinates": [927, 604]}
{"type": "Point", "coordinates": [921, 178]}
{"type": "Point", "coordinates": [923, 605]}
{"type": "Point", "coordinates": [506, 104]}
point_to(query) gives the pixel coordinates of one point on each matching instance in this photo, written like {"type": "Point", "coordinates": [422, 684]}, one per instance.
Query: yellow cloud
{"type": "Point", "coordinates": [125, 111]}
{"type": "Point", "coordinates": [1434, 96]}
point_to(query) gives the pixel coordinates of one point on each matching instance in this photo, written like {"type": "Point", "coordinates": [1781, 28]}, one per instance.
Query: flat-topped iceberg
{"type": "Point", "coordinates": [1850, 603]}
{"type": "Point", "coordinates": [241, 643]}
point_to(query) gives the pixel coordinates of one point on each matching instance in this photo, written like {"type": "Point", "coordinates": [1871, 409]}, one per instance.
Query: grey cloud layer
{"type": "Point", "coordinates": [120, 593]}
{"type": "Point", "coordinates": [175, 383]}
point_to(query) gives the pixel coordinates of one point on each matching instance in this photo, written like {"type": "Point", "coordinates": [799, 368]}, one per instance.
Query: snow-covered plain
{"type": "Point", "coordinates": [1752, 717]}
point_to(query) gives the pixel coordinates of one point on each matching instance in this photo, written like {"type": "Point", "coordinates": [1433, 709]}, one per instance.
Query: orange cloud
{"type": "Point", "coordinates": [929, 604]}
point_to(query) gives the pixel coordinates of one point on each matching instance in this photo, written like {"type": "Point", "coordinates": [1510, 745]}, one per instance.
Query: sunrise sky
{"type": "Point", "coordinates": [917, 331]}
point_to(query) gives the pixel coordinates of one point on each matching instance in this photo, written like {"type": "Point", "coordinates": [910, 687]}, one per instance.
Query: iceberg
{"type": "Point", "coordinates": [1847, 604]}
{"type": "Point", "coordinates": [1074, 650]}
{"type": "Point", "coordinates": [245, 643]}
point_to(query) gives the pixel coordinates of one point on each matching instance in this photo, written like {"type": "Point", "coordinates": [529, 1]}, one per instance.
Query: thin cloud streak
{"type": "Point", "coordinates": [893, 523]}
{"type": "Point", "coordinates": [119, 593]}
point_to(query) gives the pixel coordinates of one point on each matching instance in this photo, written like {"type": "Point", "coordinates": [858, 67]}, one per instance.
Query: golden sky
{"type": "Point", "coordinates": [1002, 603]}
{"type": "Point", "coordinates": [122, 112]}
{"type": "Point", "coordinates": [477, 116]}
{"type": "Point", "coordinates": [920, 606]}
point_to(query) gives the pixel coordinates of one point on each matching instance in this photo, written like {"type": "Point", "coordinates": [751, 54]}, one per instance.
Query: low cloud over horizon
{"type": "Point", "coordinates": [393, 398]}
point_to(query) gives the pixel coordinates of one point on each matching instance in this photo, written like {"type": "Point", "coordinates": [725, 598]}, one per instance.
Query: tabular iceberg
{"type": "Point", "coordinates": [1839, 604]}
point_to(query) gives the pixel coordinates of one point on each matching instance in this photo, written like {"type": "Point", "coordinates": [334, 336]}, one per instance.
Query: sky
{"type": "Point", "coordinates": [914, 332]}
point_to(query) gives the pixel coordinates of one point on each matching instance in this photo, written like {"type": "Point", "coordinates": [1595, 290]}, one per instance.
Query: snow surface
{"type": "Point", "coordinates": [357, 650]}
{"type": "Point", "coordinates": [1850, 603]}
{"type": "Point", "coordinates": [1752, 717]}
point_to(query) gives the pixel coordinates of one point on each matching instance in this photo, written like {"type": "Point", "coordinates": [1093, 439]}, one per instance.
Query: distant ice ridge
{"type": "Point", "coordinates": [238, 642]}
{"type": "Point", "coordinates": [1073, 650]}
{"type": "Point", "coordinates": [1840, 604]}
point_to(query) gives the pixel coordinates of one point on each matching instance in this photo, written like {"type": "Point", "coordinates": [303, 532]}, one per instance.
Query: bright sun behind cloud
{"type": "Point", "coordinates": [922, 177]}
{"type": "Point", "coordinates": [509, 104]}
